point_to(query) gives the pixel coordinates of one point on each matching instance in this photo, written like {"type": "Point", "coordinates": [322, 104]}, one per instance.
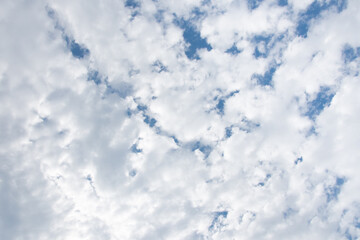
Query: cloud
{"type": "Point", "coordinates": [179, 120]}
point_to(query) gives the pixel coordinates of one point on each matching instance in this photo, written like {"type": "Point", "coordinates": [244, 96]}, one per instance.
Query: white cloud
{"type": "Point", "coordinates": [159, 146]}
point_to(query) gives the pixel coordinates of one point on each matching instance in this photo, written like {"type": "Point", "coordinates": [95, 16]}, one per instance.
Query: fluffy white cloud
{"type": "Point", "coordinates": [179, 120]}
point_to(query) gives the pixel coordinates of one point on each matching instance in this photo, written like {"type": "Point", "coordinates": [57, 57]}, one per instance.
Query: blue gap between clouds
{"type": "Point", "coordinates": [94, 75]}
{"type": "Point", "coordinates": [220, 107]}
{"type": "Point", "coordinates": [132, 4]}
{"type": "Point", "coordinates": [122, 89]}
{"type": "Point", "coordinates": [265, 40]}
{"type": "Point", "coordinates": [349, 236]}
{"type": "Point", "coordinates": [266, 79]}
{"type": "Point", "coordinates": [159, 67]}
{"type": "Point", "coordinates": [77, 50]}
{"type": "Point", "coordinates": [216, 222]}
{"type": "Point", "coordinates": [197, 14]}
{"type": "Point", "coordinates": [282, 3]}
{"type": "Point", "coordinates": [193, 38]}
{"type": "Point", "coordinates": [323, 99]}
{"type": "Point", "coordinates": [147, 119]}
{"type": "Point", "coordinates": [349, 53]}
{"type": "Point", "coordinates": [299, 160]}
{"type": "Point", "coordinates": [332, 192]}
{"type": "Point", "coordinates": [205, 149]}
{"type": "Point", "coordinates": [134, 7]}
{"type": "Point", "coordinates": [313, 12]}
{"type": "Point", "coordinates": [159, 16]}
{"type": "Point", "coordinates": [357, 222]}
{"type": "Point", "coordinates": [132, 173]}
{"type": "Point", "coordinates": [135, 149]}
{"type": "Point", "coordinates": [253, 4]}
{"type": "Point", "coordinates": [246, 126]}
{"type": "Point", "coordinates": [261, 184]}
{"type": "Point", "coordinates": [221, 102]}
{"type": "Point", "coordinates": [228, 132]}
{"type": "Point", "coordinates": [233, 50]}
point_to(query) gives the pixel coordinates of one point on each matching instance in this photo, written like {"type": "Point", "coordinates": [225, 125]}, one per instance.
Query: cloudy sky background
{"type": "Point", "coordinates": [193, 119]}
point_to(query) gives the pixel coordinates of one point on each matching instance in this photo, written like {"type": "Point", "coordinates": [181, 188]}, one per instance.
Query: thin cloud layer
{"type": "Point", "coordinates": [179, 119]}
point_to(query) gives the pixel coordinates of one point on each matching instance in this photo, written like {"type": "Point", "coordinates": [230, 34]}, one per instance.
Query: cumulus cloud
{"type": "Point", "coordinates": [179, 119]}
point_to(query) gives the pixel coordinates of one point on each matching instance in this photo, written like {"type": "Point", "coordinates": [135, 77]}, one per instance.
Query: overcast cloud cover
{"type": "Point", "coordinates": [192, 119]}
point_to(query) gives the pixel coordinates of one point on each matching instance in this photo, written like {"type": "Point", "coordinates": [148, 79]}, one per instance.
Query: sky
{"type": "Point", "coordinates": [192, 119]}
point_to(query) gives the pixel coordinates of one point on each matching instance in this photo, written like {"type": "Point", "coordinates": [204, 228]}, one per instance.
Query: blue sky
{"type": "Point", "coordinates": [180, 119]}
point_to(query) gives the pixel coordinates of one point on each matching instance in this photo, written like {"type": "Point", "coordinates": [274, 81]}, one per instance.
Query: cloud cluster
{"type": "Point", "coordinates": [143, 119]}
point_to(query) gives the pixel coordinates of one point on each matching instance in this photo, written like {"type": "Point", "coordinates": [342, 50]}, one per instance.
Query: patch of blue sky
{"type": "Point", "coordinates": [231, 94]}
{"type": "Point", "coordinates": [94, 76]}
{"type": "Point", "coordinates": [159, 16]}
{"type": "Point", "coordinates": [262, 183]}
{"type": "Point", "coordinates": [122, 91]}
{"type": "Point", "coordinates": [348, 235]}
{"type": "Point", "coordinates": [323, 99]}
{"type": "Point", "coordinates": [52, 14]}
{"type": "Point", "coordinates": [248, 126]}
{"type": "Point", "coordinates": [263, 45]}
{"type": "Point", "coordinates": [44, 119]}
{"type": "Point", "coordinates": [205, 2]}
{"type": "Point", "coordinates": [77, 50]}
{"type": "Point", "coordinates": [349, 53]}
{"type": "Point", "coordinates": [267, 78]}
{"type": "Point", "coordinates": [205, 149]}
{"type": "Point", "coordinates": [134, 148]}
{"type": "Point", "coordinates": [357, 222]}
{"type": "Point", "coordinates": [129, 112]}
{"type": "Point", "coordinates": [193, 38]}
{"type": "Point", "coordinates": [233, 50]}
{"type": "Point", "coordinates": [312, 131]}
{"type": "Point", "coordinates": [91, 182]}
{"type": "Point", "coordinates": [220, 107]}
{"type": "Point", "coordinates": [132, 4]}
{"type": "Point", "coordinates": [217, 222]}
{"type": "Point", "coordinates": [228, 132]}
{"type": "Point", "coordinates": [89, 178]}
{"type": "Point", "coordinates": [253, 4]}
{"type": "Point", "coordinates": [132, 173]}
{"type": "Point", "coordinates": [159, 67]}
{"type": "Point", "coordinates": [314, 11]}
{"type": "Point", "coordinates": [299, 160]}
{"type": "Point", "coordinates": [175, 140]}
{"type": "Point", "coordinates": [282, 3]}
{"type": "Point", "coordinates": [332, 192]}
{"type": "Point", "coordinates": [149, 120]}
{"type": "Point", "coordinates": [141, 107]}
{"type": "Point", "coordinates": [197, 14]}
